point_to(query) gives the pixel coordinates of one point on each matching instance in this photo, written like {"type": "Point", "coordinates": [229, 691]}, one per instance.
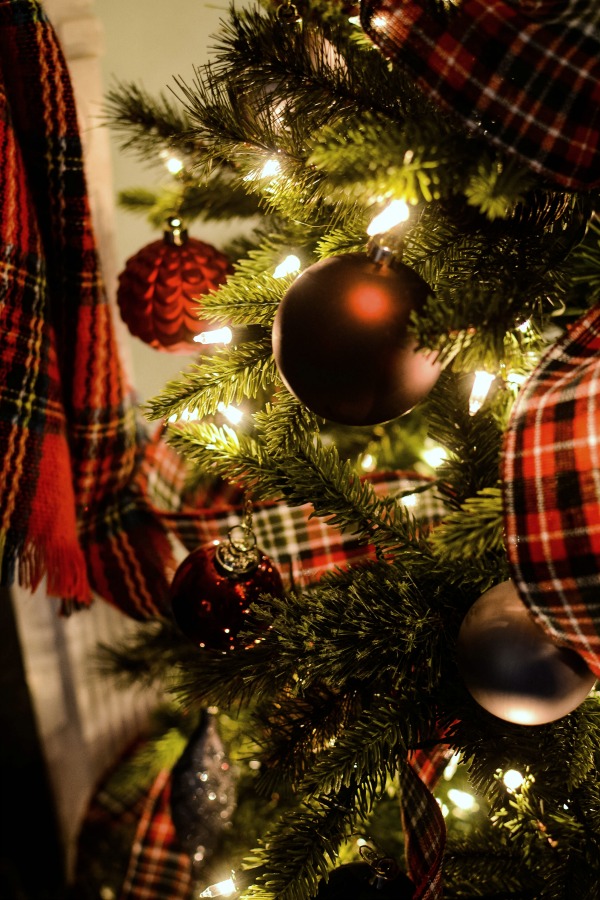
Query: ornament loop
{"type": "Point", "coordinates": [384, 867]}
{"type": "Point", "coordinates": [239, 555]}
{"type": "Point", "coordinates": [175, 232]}
{"type": "Point", "coordinates": [288, 14]}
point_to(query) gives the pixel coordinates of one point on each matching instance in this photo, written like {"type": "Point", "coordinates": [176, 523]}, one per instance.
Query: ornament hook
{"type": "Point", "coordinates": [239, 555]}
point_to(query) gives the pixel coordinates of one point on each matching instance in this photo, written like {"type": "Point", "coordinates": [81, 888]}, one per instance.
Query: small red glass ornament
{"type": "Point", "coordinates": [159, 289]}
{"type": "Point", "coordinates": [512, 667]}
{"type": "Point", "coordinates": [341, 340]}
{"type": "Point", "coordinates": [214, 586]}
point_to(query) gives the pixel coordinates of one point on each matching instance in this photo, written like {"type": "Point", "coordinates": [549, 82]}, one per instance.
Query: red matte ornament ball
{"type": "Point", "coordinates": [341, 340]}
{"type": "Point", "coordinates": [512, 668]}
{"type": "Point", "coordinates": [210, 605]}
{"type": "Point", "coordinates": [159, 290]}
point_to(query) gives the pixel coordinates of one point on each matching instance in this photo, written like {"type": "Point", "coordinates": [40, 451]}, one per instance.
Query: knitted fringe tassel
{"type": "Point", "coordinates": [64, 567]}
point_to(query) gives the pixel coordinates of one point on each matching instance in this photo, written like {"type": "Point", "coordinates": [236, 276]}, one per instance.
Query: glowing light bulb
{"type": "Point", "coordinates": [409, 501]}
{"type": "Point", "coordinates": [397, 211]}
{"type": "Point", "coordinates": [271, 168]}
{"type": "Point", "coordinates": [290, 264]}
{"type": "Point", "coordinates": [218, 336]}
{"type": "Point", "coordinates": [524, 326]}
{"type": "Point", "coordinates": [462, 799]}
{"type": "Point", "coordinates": [232, 413]}
{"type": "Point", "coordinates": [450, 770]}
{"type": "Point", "coordinates": [434, 456]}
{"type": "Point", "coordinates": [513, 780]}
{"type": "Point", "coordinates": [221, 889]}
{"type": "Point", "coordinates": [516, 379]}
{"type": "Point", "coordinates": [479, 391]}
{"type": "Point", "coordinates": [174, 165]}
{"type": "Point", "coordinates": [368, 462]}
{"type": "Point", "coordinates": [443, 807]}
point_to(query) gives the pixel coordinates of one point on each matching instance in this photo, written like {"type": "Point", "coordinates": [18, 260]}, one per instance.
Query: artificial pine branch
{"type": "Point", "coordinates": [225, 378]}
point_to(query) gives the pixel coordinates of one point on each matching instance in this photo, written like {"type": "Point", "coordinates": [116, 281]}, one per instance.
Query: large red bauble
{"type": "Point", "coordinates": [341, 340]}
{"type": "Point", "coordinates": [512, 667]}
{"type": "Point", "coordinates": [210, 604]}
{"type": "Point", "coordinates": [160, 287]}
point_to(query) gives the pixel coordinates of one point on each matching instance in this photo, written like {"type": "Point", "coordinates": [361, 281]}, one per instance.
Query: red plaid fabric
{"type": "Point", "coordinates": [70, 507]}
{"type": "Point", "coordinates": [303, 548]}
{"type": "Point", "coordinates": [525, 75]}
{"type": "Point", "coordinates": [551, 486]}
{"type": "Point", "coordinates": [424, 829]}
{"type": "Point", "coordinates": [158, 869]}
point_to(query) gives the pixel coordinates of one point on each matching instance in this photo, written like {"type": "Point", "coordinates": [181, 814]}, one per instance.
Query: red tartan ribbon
{"type": "Point", "coordinates": [158, 869]}
{"type": "Point", "coordinates": [551, 486]}
{"type": "Point", "coordinates": [525, 75]}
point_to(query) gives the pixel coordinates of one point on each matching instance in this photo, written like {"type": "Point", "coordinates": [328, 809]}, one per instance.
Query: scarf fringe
{"type": "Point", "coordinates": [63, 566]}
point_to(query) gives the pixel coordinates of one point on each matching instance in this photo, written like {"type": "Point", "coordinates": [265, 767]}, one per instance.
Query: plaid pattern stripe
{"type": "Point", "coordinates": [551, 486]}
{"type": "Point", "coordinates": [424, 828]}
{"type": "Point", "coordinates": [158, 869]}
{"type": "Point", "coordinates": [69, 505]}
{"type": "Point", "coordinates": [525, 75]}
{"type": "Point", "coordinates": [303, 548]}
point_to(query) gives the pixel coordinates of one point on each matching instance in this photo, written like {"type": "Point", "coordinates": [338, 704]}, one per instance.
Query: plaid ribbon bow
{"type": "Point", "coordinates": [526, 75]}
{"type": "Point", "coordinates": [551, 485]}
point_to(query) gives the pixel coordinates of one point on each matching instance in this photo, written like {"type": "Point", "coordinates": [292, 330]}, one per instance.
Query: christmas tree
{"type": "Point", "coordinates": [468, 630]}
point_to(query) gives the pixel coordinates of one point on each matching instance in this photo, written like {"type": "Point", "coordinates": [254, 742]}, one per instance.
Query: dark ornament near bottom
{"type": "Point", "coordinates": [341, 340]}
{"type": "Point", "coordinates": [359, 881]}
{"type": "Point", "coordinates": [214, 587]}
{"type": "Point", "coordinates": [512, 667]}
{"type": "Point", "coordinates": [203, 795]}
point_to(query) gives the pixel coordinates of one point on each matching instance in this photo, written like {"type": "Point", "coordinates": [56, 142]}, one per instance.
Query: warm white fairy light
{"type": "Point", "coordinates": [232, 413]}
{"type": "Point", "coordinates": [271, 168]}
{"type": "Point", "coordinates": [450, 770]}
{"type": "Point", "coordinates": [443, 807]}
{"type": "Point", "coordinates": [513, 780]}
{"type": "Point", "coordinates": [395, 212]}
{"type": "Point", "coordinates": [221, 889]}
{"type": "Point", "coordinates": [524, 326]}
{"type": "Point", "coordinates": [409, 501]}
{"type": "Point", "coordinates": [434, 456]}
{"type": "Point", "coordinates": [479, 391]}
{"type": "Point", "coordinates": [462, 799]}
{"type": "Point", "coordinates": [186, 415]}
{"type": "Point", "coordinates": [174, 165]}
{"type": "Point", "coordinates": [368, 462]}
{"type": "Point", "coordinates": [289, 265]}
{"type": "Point", "coordinates": [516, 379]}
{"type": "Point", "coordinates": [216, 336]}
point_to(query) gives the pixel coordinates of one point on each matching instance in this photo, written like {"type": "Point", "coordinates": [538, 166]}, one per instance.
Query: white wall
{"type": "Point", "coordinates": [150, 42]}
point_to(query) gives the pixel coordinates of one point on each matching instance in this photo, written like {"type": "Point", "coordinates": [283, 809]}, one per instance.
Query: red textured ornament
{"type": "Point", "coordinates": [213, 588]}
{"type": "Point", "coordinates": [512, 667]}
{"type": "Point", "coordinates": [160, 287]}
{"type": "Point", "coordinates": [341, 340]}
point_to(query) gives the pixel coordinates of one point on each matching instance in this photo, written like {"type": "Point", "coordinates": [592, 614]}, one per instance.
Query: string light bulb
{"type": "Point", "coordinates": [174, 165]}
{"type": "Point", "coordinates": [395, 212]}
{"type": "Point", "coordinates": [226, 888]}
{"type": "Point", "coordinates": [513, 780]}
{"type": "Point", "coordinates": [462, 799]}
{"type": "Point", "coordinates": [217, 336]}
{"type": "Point", "coordinates": [232, 413]}
{"type": "Point", "coordinates": [479, 391]}
{"type": "Point", "coordinates": [434, 456]}
{"type": "Point", "coordinates": [289, 265]}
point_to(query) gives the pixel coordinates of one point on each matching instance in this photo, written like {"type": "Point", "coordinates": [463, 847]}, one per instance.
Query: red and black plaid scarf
{"type": "Point", "coordinates": [69, 505]}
